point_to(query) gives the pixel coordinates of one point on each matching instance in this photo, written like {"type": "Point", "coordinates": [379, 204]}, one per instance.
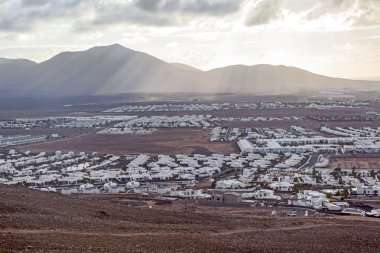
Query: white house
{"type": "Point", "coordinates": [266, 194]}
{"type": "Point", "coordinates": [282, 186]}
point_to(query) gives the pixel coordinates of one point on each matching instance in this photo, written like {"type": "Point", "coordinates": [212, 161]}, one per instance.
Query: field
{"type": "Point", "coordinates": [38, 221]}
{"type": "Point", "coordinates": [368, 162]}
{"type": "Point", "coordinates": [163, 141]}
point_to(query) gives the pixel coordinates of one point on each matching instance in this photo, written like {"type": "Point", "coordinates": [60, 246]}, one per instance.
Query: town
{"type": "Point", "coordinates": [294, 176]}
{"type": "Point", "coordinates": [302, 154]}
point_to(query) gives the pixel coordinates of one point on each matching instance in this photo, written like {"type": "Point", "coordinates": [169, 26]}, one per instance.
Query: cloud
{"type": "Point", "coordinates": [27, 15]}
{"type": "Point", "coordinates": [34, 2]}
{"type": "Point", "coordinates": [158, 12]}
{"type": "Point", "coordinates": [23, 16]}
{"type": "Point", "coordinates": [367, 14]}
{"type": "Point", "coordinates": [264, 12]}
{"type": "Point", "coordinates": [329, 7]}
{"type": "Point", "coordinates": [355, 13]}
{"type": "Point", "coordinates": [172, 44]}
{"type": "Point", "coordinates": [195, 7]}
{"type": "Point", "coordinates": [110, 14]}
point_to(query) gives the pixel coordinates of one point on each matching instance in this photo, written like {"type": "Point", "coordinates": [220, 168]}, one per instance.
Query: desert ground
{"type": "Point", "coordinates": [47, 222]}
{"type": "Point", "coordinates": [368, 162]}
{"type": "Point", "coordinates": [163, 141]}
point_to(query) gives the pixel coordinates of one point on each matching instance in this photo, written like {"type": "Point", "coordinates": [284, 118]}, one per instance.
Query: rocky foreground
{"type": "Point", "coordinates": [34, 221]}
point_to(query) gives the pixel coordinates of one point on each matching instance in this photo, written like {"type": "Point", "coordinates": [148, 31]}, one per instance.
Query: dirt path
{"type": "Point", "coordinates": [157, 233]}
{"type": "Point", "coordinates": [68, 232]}
{"type": "Point", "coordinates": [248, 230]}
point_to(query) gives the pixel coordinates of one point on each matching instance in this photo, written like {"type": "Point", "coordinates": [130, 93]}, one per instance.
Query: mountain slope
{"type": "Point", "coordinates": [116, 69]}
{"type": "Point", "coordinates": [36, 221]}
{"type": "Point", "coordinates": [268, 79]}
{"type": "Point", "coordinates": [13, 73]}
{"type": "Point", "coordinates": [185, 67]}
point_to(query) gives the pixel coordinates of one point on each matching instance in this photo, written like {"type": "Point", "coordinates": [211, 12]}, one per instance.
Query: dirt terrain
{"type": "Point", "coordinates": [367, 162]}
{"type": "Point", "coordinates": [163, 141]}
{"type": "Point", "coordinates": [33, 221]}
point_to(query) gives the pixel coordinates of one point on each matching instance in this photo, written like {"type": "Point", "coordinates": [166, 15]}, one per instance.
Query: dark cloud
{"type": "Point", "coordinates": [157, 6]}
{"type": "Point", "coordinates": [110, 15]}
{"type": "Point", "coordinates": [24, 15]}
{"type": "Point", "coordinates": [264, 12]}
{"type": "Point", "coordinates": [27, 15]}
{"type": "Point", "coordinates": [157, 12]}
{"type": "Point", "coordinates": [162, 12]}
{"type": "Point", "coordinates": [210, 7]}
{"type": "Point", "coordinates": [35, 2]}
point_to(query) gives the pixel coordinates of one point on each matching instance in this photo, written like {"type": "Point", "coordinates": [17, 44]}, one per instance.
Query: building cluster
{"type": "Point", "coordinates": [168, 108]}
{"type": "Point", "coordinates": [259, 176]}
{"type": "Point", "coordinates": [256, 119]}
{"type": "Point", "coordinates": [185, 107]}
{"type": "Point", "coordinates": [143, 125]}
{"type": "Point", "coordinates": [234, 134]}
{"type": "Point", "coordinates": [147, 124]}
{"type": "Point", "coordinates": [300, 140]}
{"type": "Point", "coordinates": [334, 94]}
{"type": "Point", "coordinates": [335, 103]}
{"type": "Point", "coordinates": [7, 141]}
{"type": "Point", "coordinates": [64, 122]}
{"type": "Point", "coordinates": [352, 132]}
{"type": "Point", "coordinates": [189, 107]}
{"type": "Point", "coordinates": [368, 116]}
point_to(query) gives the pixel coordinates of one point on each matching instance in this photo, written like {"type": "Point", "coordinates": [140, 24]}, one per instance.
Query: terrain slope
{"type": "Point", "coordinates": [32, 221]}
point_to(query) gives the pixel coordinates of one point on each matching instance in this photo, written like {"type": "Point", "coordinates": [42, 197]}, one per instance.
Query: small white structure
{"type": "Point", "coordinates": [310, 198]}
{"type": "Point", "coordinates": [245, 146]}
{"type": "Point", "coordinates": [230, 184]}
{"type": "Point", "coordinates": [69, 191]}
{"type": "Point", "coordinates": [190, 194]}
{"type": "Point", "coordinates": [88, 189]}
{"type": "Point", "coordinates": [282, 186]}
{"type": "Point", "coordinates": [132, 185]}
{"type": "Point", "coordinates": [113, 188]}
{"type": "Point", "coordinates": [48, 189]}
{"type": "Point", "coordinates": [368, 190]}
{"type": "Point", "coordinates": [266, 194]}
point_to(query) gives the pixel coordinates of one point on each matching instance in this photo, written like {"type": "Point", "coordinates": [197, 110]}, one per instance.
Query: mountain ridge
{"type": "Point", "coordinates": [116, 69]}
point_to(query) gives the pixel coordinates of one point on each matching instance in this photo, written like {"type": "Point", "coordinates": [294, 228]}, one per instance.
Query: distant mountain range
{"type": "Point", "coordinates": [115, 69]}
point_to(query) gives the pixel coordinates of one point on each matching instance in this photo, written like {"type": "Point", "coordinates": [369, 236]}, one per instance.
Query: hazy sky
{"type": "Point", "coordinates": [333, 37]}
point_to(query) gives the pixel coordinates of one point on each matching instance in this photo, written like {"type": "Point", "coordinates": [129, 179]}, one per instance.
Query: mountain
{"type": "Point", "coordinates": [12, 73]}
{"type": "Point", "coordinates": [115, 69]}
{"type": "Point", "coordinates": [185, 67]}
{"type": "Point", "coordinates": [21, 62]}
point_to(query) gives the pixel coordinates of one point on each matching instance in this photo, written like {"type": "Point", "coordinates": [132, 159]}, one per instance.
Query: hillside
{"type": "Point", "coordinates": [13, 73]}
{"type": "Point", "coordinates": [31, 220]}
{"type": "Point", "coordinates": [115, 69]}
{"type": "Point", "coordinates": [185, 67]}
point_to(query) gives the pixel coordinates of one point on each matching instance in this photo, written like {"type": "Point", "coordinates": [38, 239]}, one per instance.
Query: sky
{"type": "Point", "coordinates": [339, 38]}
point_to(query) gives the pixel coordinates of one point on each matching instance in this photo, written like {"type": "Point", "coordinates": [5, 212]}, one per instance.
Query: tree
{"type": "Point", "coordinates": [264, 185]}
{"type": "Point", "coordinates": [345, 194]}
{"type": "Point", "coordinates": [353, 171]}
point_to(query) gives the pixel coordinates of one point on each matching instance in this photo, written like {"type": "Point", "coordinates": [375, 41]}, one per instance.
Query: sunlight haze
{"type": "Point", "coordinates": [325, 37]}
